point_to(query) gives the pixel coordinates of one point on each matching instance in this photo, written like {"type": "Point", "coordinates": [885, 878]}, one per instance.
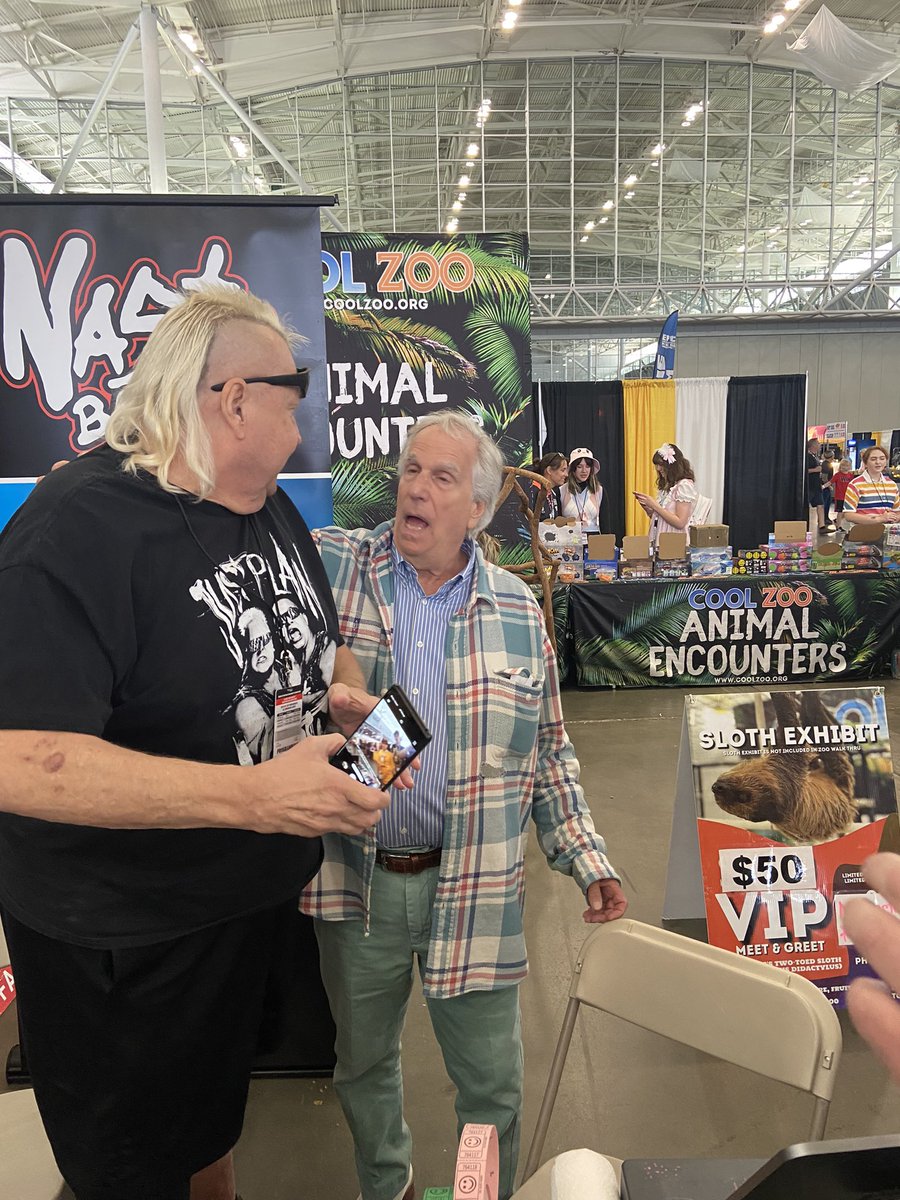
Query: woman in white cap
{"type": "Point", "coordinates": [582, 493]}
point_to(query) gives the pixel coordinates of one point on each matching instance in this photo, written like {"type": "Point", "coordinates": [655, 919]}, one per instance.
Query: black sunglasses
{"type": "Point", "coordinates": [298, 379]}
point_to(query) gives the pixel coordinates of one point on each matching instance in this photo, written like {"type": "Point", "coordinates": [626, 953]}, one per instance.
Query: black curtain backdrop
{"type": "Point", "coordinates": [592, 415]}
{"type": "Point", "coordinates": [765, 449]}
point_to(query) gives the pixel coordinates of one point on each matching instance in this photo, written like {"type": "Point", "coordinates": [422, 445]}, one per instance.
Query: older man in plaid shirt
{"type": "Point", "coordinates": [442, 879]}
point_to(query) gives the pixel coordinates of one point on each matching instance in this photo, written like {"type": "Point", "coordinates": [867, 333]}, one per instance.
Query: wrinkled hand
{"type": "Point", "coordinates": [876, 934]}
{"type": "Point", "coordinates": [301, 793]}
{"type": "Point", "coordinates": [347, 708]}
{"type": "Point", "coordinates": [606, 902]}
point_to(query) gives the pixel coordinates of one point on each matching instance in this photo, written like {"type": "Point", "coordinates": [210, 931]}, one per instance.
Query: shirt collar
{"type": "Point", "coordinates": [408, 573]}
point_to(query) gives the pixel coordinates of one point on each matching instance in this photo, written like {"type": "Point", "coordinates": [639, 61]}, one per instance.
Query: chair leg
{"type": "Point", "coordinates": [550, 1092]}
{"type": "Point", "coordinates": [819, 1118]}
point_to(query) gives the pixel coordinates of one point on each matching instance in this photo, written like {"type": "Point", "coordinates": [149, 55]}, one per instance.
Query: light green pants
{"type": "Point", "coordinates": [368, 981]}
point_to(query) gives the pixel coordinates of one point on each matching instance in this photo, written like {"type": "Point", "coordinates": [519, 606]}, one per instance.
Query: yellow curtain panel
{"type": "Point", "coordinates": [649, 421]}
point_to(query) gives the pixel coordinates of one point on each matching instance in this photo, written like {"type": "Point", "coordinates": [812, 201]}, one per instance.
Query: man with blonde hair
{"type": "Point", "coordinates": [145, 877]}
{"type": "Point", "coordinates": [442, 883]}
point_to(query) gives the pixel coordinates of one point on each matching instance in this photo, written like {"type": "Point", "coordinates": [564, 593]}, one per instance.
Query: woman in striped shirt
{"type": "Point", "coordinates": [872, 497]}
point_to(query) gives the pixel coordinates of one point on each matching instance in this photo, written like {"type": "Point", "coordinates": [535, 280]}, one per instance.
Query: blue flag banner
{"type": "Point", "coordinates": [664, 367]}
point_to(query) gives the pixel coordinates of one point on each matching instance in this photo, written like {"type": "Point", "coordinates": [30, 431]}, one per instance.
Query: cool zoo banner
{"type": "Point", "coordinates": [416, 325]}
{"type": "Point", "coordinates": [734, 630]}
{"type": "Point", "coordinates": [83, 283]}
{"type": "Point", "coordinates": [793, 791]}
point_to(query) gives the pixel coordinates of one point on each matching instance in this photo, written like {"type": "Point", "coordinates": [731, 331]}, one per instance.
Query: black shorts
{"type": "Point", "coordinates": [141, 1057]}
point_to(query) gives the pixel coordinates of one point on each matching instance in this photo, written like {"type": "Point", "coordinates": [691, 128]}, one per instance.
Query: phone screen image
{"type": "Point", "coordinates": [386, 742]}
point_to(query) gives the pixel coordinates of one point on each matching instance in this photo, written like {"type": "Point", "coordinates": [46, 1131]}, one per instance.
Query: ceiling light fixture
{"type": "Point", "coordinates": [629, 181]}
{"type": "Point", "coordinates": [629, 195]}
{"type": "Point", "coordinates": [451, 225]}
{"type": "Point", "coordinates": [658, 149]}
{"type": "Point", "coordinates": [463, 181]}
{"type": "Point", "coordinates": [509, 19]}
{"type": "Point", "coordinates": [603, 220]}
{"type": "Point", "coordinates": [583, 237]}
{"type": "Point", "coordinates": [456, 205]}
{"type": "Point", "coordinates": [589, 226]}
{"type": "Point", "coordinates": [608, 204]}
{"type": "Point", "coordinates": [189, 39]}
{"type": "Point", "coordinates": [472, 150]}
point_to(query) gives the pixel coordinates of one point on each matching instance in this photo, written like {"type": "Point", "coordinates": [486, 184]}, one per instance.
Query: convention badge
{"type": "Point", "coordinates": [288, 719]}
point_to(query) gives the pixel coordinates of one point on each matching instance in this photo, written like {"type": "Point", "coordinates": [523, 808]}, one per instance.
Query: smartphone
{"type": "Point", "coordinates": [385, 743]}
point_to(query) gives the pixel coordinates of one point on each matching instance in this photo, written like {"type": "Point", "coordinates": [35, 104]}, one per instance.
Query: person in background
{"type": "Point", "coordinates": [842, 477]}
{"type": "Point", "coordinates": [147, 880]}
{"type": "Point", "coordinates": [673, 508]}
{"type": "Point", "coordinates": [872, 497]}
{"type": "Point", "coordinates": [582, 494]}
{"type": "Point", "coordinates": [555, 470]}
{"type": "Point", "coordinates": [826, 473]}
{"type": "Point", "coordinates": [814, 483]}
{"type": "Point", "coordinates": [441, 888]}
{"type": "Point", "coordinates": [876, 936]}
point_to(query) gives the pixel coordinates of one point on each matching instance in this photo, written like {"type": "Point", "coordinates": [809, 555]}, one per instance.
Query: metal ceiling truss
{"type": "Point", "coordinates": [752, 209]}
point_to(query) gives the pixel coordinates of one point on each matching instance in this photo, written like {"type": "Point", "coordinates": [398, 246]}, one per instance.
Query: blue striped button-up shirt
{"type": "Point", "coordinates": [416, 818]}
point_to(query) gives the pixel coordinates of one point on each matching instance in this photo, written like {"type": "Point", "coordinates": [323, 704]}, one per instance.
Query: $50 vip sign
{"type": "Point", "coordinates": [793, 791]}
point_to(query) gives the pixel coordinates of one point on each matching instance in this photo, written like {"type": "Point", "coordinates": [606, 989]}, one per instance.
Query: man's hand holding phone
{"type": "Point", "coordinates": [348, 707]}
{"type": "Point", "coordinates": [301, 793]}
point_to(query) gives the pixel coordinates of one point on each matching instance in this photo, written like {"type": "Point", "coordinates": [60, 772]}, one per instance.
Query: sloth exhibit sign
{"type": "Point", "coordinates": [754, 631]}
{"type": "Point", "coordinates": [792, 792]}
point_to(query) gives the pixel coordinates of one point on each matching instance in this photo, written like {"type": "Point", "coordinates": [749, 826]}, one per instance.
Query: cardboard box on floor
{"type": "Point", "coordinates": [709, 535]}
{"type": "Point", "coordinates": [790, 531]}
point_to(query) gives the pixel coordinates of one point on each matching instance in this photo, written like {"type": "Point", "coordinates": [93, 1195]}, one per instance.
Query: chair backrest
{"type": "Point", "coordinates": [707, 998]}
{"type": "Point", "coordinates": [713, 1000]}
{"type": "Point", "coordinates": [701, 512]}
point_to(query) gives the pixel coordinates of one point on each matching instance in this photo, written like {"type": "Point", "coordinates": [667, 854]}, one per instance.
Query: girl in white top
{"type": "Point", "coordinates": [673, 508]}
{"type": "Point", "coordinates": [582, 494]}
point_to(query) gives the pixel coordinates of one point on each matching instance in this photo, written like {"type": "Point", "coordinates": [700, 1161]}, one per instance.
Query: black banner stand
{"type": "Point", "coordinates": [684, 909]}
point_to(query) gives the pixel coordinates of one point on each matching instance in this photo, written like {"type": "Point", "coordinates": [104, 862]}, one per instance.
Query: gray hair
{"type": "Point", "coordinates": [487, 470]}
{"type": "Point", "coordinates": [156, 415]}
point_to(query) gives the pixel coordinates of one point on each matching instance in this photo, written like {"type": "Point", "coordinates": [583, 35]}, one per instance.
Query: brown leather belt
{"type": "Point", "coordinates": [408, 864]}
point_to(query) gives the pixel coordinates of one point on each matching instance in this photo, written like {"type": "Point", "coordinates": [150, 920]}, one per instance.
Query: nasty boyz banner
{"type": "Point", "coordinates": [416, 325]}
{"type": "Point", "coordinates": [84, 282]}
{"type": "Point", "coordinates": [809, 627]}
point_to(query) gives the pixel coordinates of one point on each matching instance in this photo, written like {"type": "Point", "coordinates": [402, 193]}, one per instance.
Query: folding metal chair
{"type": "Point", "coordinates": [708, 998]}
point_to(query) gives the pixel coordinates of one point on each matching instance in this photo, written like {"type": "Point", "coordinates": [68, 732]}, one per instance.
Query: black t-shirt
{"type": "Point", "coordinates": [813, 478]}
{"type": "Point", "coordinates": [163, 625]}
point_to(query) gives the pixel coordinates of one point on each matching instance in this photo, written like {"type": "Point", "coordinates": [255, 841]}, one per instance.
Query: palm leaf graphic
{"type": "Point", "coordinates": [490, 326]}
{"type": "Point", "coordinates": [362, 492]}
{"type": "Point", "coordinates": [395, 339]}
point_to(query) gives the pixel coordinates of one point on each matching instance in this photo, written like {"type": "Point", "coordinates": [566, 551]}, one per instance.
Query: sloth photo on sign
{"type": "Point", "coordinates": [804, 786]}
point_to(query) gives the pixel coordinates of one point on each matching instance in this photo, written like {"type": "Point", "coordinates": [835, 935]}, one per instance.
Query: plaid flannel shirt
{"type": "Point", "coordinates": [508, 759]}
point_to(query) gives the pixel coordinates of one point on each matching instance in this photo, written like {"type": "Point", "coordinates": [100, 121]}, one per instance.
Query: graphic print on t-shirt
{"type": "Point", "coordinates": [274, 626]}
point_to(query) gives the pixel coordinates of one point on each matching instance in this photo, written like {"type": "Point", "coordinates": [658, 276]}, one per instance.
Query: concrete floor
{"type": "Point", "coordinates": [625, 1092]}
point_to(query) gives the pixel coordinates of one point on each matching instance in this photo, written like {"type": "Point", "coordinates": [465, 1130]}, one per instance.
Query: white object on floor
{"type": "Point", "coordinates": [574, 1175]}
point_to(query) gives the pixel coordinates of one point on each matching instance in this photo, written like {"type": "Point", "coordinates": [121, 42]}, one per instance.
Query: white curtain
{"type": "Point", "coordinates": [700, 408]}
{"type": "Point", "coordinates": [840, 57]}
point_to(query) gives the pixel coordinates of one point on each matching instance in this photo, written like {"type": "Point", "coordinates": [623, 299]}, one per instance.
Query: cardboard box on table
{"type": "Point", "coordinates": [711, 560]}
{"type": "Point", "coordinates": [891, 558]}
{"type": "Point", "coordinates": [562, 540]}
{"type": "Point", "coordinates": [601, 562]}
{"type": "Point", "coordinates": [636, 561]}
{"type": "Point", "coordinates": [751, 562]}
{"type": "Point", "coordinates": [671, 557]}
{"type": "Point", "coordinates": [790, 548]}
{"type": "Point", "coordinates": [703, 536]}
